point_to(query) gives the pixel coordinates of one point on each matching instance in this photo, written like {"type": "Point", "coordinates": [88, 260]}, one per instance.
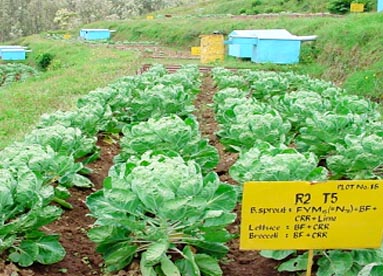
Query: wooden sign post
{"type": "Point", "coordinates": [306, 215]}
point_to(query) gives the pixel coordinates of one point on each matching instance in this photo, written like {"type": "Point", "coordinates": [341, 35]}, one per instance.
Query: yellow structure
{"type": "Point", "coordinates": [212, 48]}
{"type": "Point", "coordinates": [150, 17]}
{"type": "Point", "coordinates": [195, 51]}
{"type": "Point", "coordinates": [357, 7]}
{"type": "Point", "coordinates": [67, 36]}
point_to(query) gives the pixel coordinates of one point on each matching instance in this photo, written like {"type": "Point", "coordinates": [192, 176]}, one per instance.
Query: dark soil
{"type": "Point", "coordinates": [81, 258]}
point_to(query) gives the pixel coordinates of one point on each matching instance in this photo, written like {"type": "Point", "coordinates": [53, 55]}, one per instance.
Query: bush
{"type": "Point", "coordinates": [339, 6]}
{"type": "Point", "coordinates": [309, 53]}
{"type": "Point", "coordinates": [343, 6]}
{"type": "Point", "coordinates": [44, 60]}
{"type": "Point", "coordinates": [368, 4]}
{"type": "Point", "coordinates": [256, 3]}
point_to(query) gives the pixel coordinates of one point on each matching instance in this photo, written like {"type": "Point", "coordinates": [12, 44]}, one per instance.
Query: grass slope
{"type": "Point", "coordinates": [211, 7]}
{"type": "Point", "coordinates": [76, 69]}
{"type": "Point", "coordinates": [348, 52]}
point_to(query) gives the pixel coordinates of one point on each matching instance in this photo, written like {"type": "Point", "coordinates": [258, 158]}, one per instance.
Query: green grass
{"type": "Point", "coordinates": [76, 69]}
{"type": "Point", "coordinates": [347, 52]}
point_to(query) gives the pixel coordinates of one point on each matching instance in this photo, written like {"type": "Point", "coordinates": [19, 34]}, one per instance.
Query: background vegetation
{"type": "Point", "coordinates": [347, 52]}
{"type": "Point", "coordinates": [24, 17]}
{"type": "Point", "coordinates": [75, 70]}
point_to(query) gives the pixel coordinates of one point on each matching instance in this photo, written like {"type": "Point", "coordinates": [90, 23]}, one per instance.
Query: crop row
{"type": "Point", "coordinates": [291, 127]}
{"type": "Point", "coordinates": [161, 199]}
{"type": "Point", "coordinates": [52, 158]}
{"type": "Point", "coordinates": [13, 72]}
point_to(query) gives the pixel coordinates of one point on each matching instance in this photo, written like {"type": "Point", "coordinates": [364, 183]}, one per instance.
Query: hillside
{"type": "Point", "coordinates": [113, 102]}
{"type": "Point", "coordinates": [213, 7]}
{"type": "Point", "coordinates": [347, 52]}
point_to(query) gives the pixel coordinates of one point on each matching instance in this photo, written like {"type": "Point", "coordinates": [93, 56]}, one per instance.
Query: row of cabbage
{"type": "Point", "coordinates": [47, 156]}
{"type": "Point", "coordinates": [14, 72]}
{"type": "Point", "coordinates": [291, 127]}
{"type": "Point", "coordinates": [35, 173]}
{"type": "Point", "coordinates": [153, 111]}
{"type": "Point", "coordinates": [38, 171]}
{"type": "Point", "coordinates": [162, 202]}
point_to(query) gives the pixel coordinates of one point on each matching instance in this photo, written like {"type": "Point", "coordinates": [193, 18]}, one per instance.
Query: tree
{"type": "Point", "coordinates": [92, 10]}
{"type": "Point", "coordinates": [65, 18]}
{"type": "Point", "coordinates": [25, 17]}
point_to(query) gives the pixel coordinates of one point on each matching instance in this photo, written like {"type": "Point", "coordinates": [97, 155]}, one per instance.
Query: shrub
{"type": "Point", "coordinates": [343, 6]}
{"type": "Point", "coordinates": [44, 60]}
{"type": "Point", "coordinates": [256, 3]}
{"type": "Point", "coordinates": [309, 53]}
{"type": "Point", "coordinates": [339, 6]}
{"type": "Point", "coordinates": [368, 4]}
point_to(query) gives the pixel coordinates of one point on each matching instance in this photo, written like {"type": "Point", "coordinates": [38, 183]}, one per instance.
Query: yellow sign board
{"type": "Point", "coordinates": [304, 215]}
{"type": "Point", "coordinates": [356, 7]}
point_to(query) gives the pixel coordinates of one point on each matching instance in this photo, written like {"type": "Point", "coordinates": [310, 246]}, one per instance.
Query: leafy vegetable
{"type": "Point", "coordinates": [24, 209]}
{"type": "Point", "coordinates": [168, 134]}
{"type": "Point", "coordinates": [47, 164]}
{"type": "Point", "coordinates": [15, 72]}
{"type": "Point", "coordinates": [265, 162]}
{"type": "Point", "coordinates": [299, 105]}
{"type": "Point", "coordinates": [162, 206]}
{"type": "Point", "coordinates": [325, 130]}
{"type": "Point", "coordinates": [63, 140]}
{"type": "Point", "coordinates": [359, 157]}
{"type": "Point", "coordinates": [343, 131]}
{"type": "Point", "coordinates": [372, 269]}
{"type": "Point", "coordinates": [265, 84]}
{"type": "Point", "coordinates": [90, 119]}
{"type": "Point", "coordinates": [331, 262]}
{"type": "Point", "coordinates": [243, 124]}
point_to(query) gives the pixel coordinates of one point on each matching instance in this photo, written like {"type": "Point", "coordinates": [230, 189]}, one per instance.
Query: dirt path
{"type": "Point", "coordinates": [237, 263]}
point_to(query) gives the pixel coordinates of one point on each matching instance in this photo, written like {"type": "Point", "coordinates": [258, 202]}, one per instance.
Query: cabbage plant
{"type": "Point", "coordinates": [360, 157]}
{"type": "Point", "coordinates": [24, 209]}
{"type": "Point", "coordinates": [163, 210]}
{"type": "Point", "coordinates": [265, 162]}
{"type": "Point", "coordinates": [168, 134]}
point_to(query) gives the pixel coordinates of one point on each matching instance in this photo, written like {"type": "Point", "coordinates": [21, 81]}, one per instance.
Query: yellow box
{"type": "Point", "coordinates": [67, 36]}
{"type": "Point", "coordinates": [212, 48]}
{"type": "Point", "coordinates": [195, 51]}
{"type": "Point", "coordinates": [357, 7]}
{"type": "Point", "coordinates": [150, 17]}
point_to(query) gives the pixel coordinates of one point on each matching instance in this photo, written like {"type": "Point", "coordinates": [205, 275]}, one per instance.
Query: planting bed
{"type": "Point", "coordinates": [14, 72]}
{"type": "Point", "coordinates": [81, 257]}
